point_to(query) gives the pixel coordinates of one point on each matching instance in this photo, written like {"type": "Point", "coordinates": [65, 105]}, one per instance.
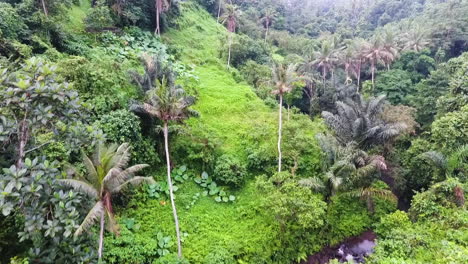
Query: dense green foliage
{"type": "Point", "coordinates": [328, 116]}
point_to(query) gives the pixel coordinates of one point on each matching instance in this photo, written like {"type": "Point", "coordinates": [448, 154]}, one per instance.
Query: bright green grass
{"type": "Point", "coordinates": [76, 15]}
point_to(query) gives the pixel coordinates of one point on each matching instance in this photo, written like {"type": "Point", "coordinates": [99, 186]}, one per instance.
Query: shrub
{"type": "Point", "coordinates": [392, 221]}
{"type": "Point", "coordinates": [219, 255]}
{"type": "Point", "coordinates": [11, 24]}
{"type": "Point", "coordinates": [123, 126]}
{"type": "Point", "coordinates": [451, 130]}
{"type": "Point", "coordinates": [98, 18]}
{"type": "Point", "coordinates": [229, 171]}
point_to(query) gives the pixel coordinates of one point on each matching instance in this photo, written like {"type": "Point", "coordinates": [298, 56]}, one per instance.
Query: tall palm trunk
{"type": "Point", "coordinates": [229, 49]}
{"type": "Point", "coordinates": [101, 236]}
{"type": "Point", "coordinates": [171, 192]}
{"type": "Point", "coordinates": [46, 13]}
{"type": "Point", "coordinates": [219, 10]}
{"type": "Point", "coordinates": [373, 73]}
{"type": "Point", "coordinates": [157, 5]}
{"type": "Point", "coordinates": [359, 74]}
{"type": "Point", "coordinates": [324, 75]}
{"type": "Point", "coordinates": [266, 32]}
{"type": "Point", "coordinates": [280, 127]}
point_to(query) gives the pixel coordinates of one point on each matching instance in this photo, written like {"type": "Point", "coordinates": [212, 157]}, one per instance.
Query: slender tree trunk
{"type": "Point", "coordinates": [157, 31]}
{"type": "Point", "coordinates": [44, 7]}
{"type": "Point", "coordinates": [266, 32]}
{"type": "Point", "coordinates": [219, 10]}
{"type": "Point", "coordinates": [23, 140]}
{"type": "Point", "coordinates": [333, 77]}
{"type": "Point", "coordinates": [171, 192]}
{"type": "Point", "coordinates": [229, 49]}
{"type": "Point", "coordinates": [359, 75]}
{"type": "Point", "coordinates": [101, 236]}
{"type": "Point", "coordinates": [373, 73]}
{"type": "Point", "coordinates": [324, 75]}
{"type": "Point", "coordinates": [280, 127]}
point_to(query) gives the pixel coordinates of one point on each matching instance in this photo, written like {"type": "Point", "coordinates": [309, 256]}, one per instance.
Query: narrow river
{"type": "Point", "coordinates": [353, 249]}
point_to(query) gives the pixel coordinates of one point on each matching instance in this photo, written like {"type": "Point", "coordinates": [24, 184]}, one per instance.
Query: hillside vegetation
{"type": "Point", "coordinates": [233, 132]}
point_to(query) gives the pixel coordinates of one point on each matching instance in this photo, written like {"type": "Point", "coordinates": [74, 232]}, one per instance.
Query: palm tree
{"type": "Point", "coordinates": [283, 78]}
{"type": "Point", "coordinates": [160, 6]}
{"type": "Point", "coordinates": [326, 58]}
{"type": "Point", "coordinates": [153, 70]}
{"type": "Point", "coordinates": [107, 174]}
{"type": "Point", "coordinates": [454, 165]}
{"type": "Point", "coordinates": [311, 78]}
{"type": "Point", "coordinates": [267, 20]}
{"type": "Point", "coordinates": [368, 194]}
{"type": "Point", "coordinates": [415, 39]}
{"type": "Point", "coordinates": [391, 46]}
{"type": "Point", "coordinates": [359, 120]}
{"type": "Point", "coordinates": [168, 102]}
{"type": "Point", "coordinates": [344, 168]}
{"type": "Point", "coordinates": [375, 53]}
{"type": "Point", "coordinates": [229, 18]}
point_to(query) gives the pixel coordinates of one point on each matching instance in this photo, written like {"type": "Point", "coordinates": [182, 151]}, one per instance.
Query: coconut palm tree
{"type": "Point", "coordinates": [283, 78]}
{"type": "Point", "coordinates": [391, 46]}
{"type": "Point", "coordinates": [326, 58]}
{"type": "Point", "coordinates": [230, 17]}
{"type": "Point", "coordinates": [375, 53]}
{"type": "Point", "coordinates": [169, 103]}
{"type": "Point", "coordinates": [267, 20]}
{"type": "Point", "coordinates": [358, 119]}
{"type": "Point", "coordinates": [106, 174]}
{"type": "Point", "coordinates": [415, 39]}
{"type": "Point", "coordinates": [311, 78]}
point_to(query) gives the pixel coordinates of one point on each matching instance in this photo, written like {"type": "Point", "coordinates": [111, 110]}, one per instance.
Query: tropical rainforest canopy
{"type": "Point", "coordinates": [233, 131]}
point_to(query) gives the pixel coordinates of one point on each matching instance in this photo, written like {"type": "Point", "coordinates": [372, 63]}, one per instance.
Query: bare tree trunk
{"type": "Point", "coordinates": [333, 77]}
{"type": "Point", "coordinates": [219, 10]}
{"type": "Point", "coordinates": [359, 75]}
{"type": "Point", "coordinates": [46, 13]}
{"type": "Point", "coordinates": [101, 236]}
{"type": "Point", "coordinates": [266, 32]}
{"type": "Point", "coordinates": [229, 49]}
{"type": "Point", "coordinates": [324, 75]}
{"type": "Point", "coordinates": [157, 30]}
{"type": "Point", "coordinates": [171, 192]}
{"type": "Point", "coordinates": [23, 140]}
{"type": "Point", "coordinates": [280, 127]}
{"type": "Point", "coordinates": [373, 73]}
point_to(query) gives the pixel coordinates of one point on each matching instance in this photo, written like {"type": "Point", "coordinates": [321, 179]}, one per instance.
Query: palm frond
{"type": "Point", "coordinates": [134, 182]}
{"type": "Point", "coordinates": [90, 218]}
{"type": "Point", "coordinates": [313, 183]}
{"type": "Point", "coordinates": [80, 186]}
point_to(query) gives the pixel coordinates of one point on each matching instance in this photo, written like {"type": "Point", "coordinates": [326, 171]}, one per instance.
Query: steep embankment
{"type": "Point", "coordinates": [231, 111]}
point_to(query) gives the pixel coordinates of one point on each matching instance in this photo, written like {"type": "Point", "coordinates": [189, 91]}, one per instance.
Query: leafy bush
{"type": "Point", "coordinates": [123, 126]}
{"type": "Point", "coordinates": [396, 85]}
{"type": "Point", "coordinates": [99, 18]}
{"type": "Point", "coordinates": [229, 171]}
{"type": "Point", "coordinates": [451, 130]}
{"type": "Point", "coordinates": [12, 25]}
{"type": "Point", "coordinates": [298, 212]}
{"type": "Point", "coordinates": [219, 256]}
{"type": "Point", "coordinates": [346, 217]}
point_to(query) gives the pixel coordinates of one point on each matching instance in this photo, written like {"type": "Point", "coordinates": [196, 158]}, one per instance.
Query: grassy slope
{"type": "Point", "coordinates": [232, 111]}
{"type": "Point", "coordinates": [229, 108]}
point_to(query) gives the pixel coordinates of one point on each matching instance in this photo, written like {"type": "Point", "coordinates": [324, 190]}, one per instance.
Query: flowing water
{"type": "Point", "coordinates": [352, 250]}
